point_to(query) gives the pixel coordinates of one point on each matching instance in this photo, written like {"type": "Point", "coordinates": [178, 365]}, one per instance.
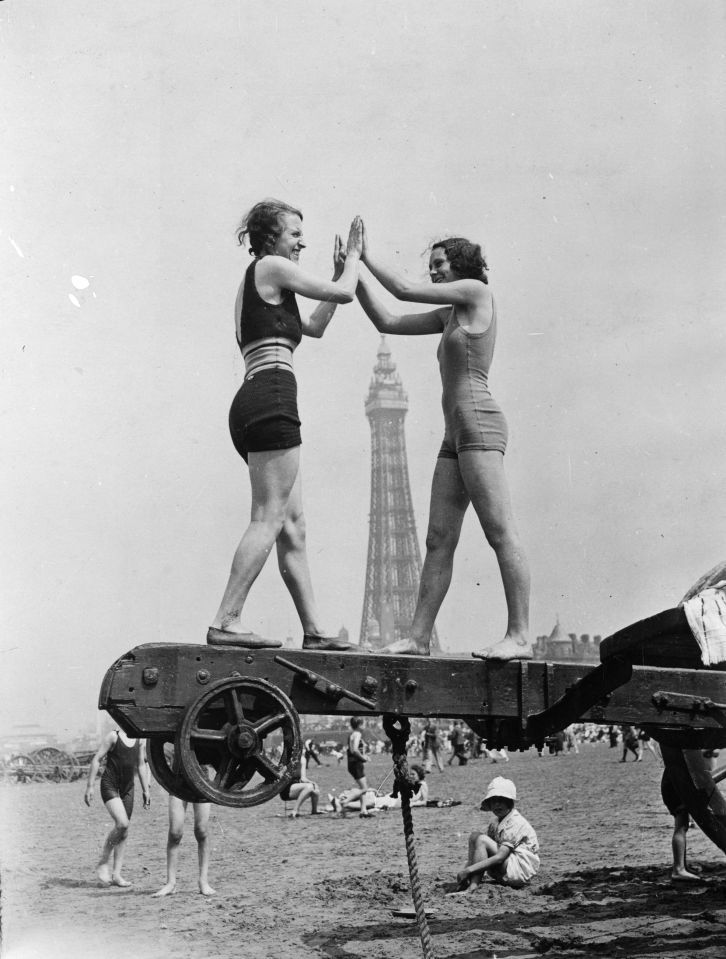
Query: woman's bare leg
{"type": "Point", "coordinates": [114, 846]}
{"type": "Point", "coordinates": [292, 559]}
{"type": "Point", "coordinates": [272, 476]}
{"type": "Point", "coordinates": [483, 474]}
{"type": "Point", "coordinates": [449, 502]}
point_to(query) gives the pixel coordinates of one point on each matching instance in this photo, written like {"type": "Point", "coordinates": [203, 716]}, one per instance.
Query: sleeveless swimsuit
{"type": "Point", "coordinates": [473, 419]}
{"type": "Point", "coordinates": [356, 767]}
{"type": "Point", "coordinates": [118, 776]}
{"type": "Point", "coordinates": [263, 414]}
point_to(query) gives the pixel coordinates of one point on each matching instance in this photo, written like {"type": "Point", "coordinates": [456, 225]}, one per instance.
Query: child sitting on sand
{"type": "Point", "coordinates": [508, 852]}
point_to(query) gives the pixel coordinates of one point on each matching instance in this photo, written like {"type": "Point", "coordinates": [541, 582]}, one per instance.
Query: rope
{"type": "Point", "coordinates": [398, 730]}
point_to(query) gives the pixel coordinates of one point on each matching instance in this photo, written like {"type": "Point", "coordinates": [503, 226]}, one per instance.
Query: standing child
{"type": "Point", "coordinates": [631, 743]}
{"type": "Point", "coordinates": [177, 814]}
{"type": "Point", "coordinates": [508, 852]}
{"type": "Point", "coordinates": [357, 767]}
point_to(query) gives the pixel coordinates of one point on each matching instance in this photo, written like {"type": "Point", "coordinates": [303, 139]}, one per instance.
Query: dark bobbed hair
{"type": "Point", "coordinates": [419, 770]}
{"type": "Point", "coordinates": [466, 258]}
{"type": "Point", "coordinates": [261, 225]}
{"type": "Point", "coordinates": [356, 722]}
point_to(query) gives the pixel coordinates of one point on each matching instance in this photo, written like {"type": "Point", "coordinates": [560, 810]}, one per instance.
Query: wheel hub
{"type": "Point", "coordinates": [242, 740]}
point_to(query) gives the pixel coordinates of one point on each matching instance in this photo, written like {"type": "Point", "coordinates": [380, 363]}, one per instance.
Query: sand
{"type": "Point", "coordinates": [325, 887]}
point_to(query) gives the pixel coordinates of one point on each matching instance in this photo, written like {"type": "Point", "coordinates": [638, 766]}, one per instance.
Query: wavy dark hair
{"type": "Point", "coordinates": [261, 225]}
{"type": "Point", "coordinates": [466, 258]}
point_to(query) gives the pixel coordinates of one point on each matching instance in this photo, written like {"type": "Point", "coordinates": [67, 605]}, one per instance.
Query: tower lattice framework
{"type": "Point", "coordinates": [393, 568]}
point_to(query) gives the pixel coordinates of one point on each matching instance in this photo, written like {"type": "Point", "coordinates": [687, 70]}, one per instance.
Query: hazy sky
{"type": "Point", "coordinates": [582, 144]}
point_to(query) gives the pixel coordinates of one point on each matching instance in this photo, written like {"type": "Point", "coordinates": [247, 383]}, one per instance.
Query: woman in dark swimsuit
{"type": "Point", "coordinates": [470, 466]}
{"type": "Point", "coordinates": [125, 758]}
{"type": "Point", "coordinates": [263, 418]}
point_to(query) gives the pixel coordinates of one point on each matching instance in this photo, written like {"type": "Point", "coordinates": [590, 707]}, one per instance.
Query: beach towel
{"type": "Point", "coordinates": [706, 615]}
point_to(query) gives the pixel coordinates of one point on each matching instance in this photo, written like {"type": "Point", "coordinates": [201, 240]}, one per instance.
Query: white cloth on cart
{"type": "Point", "coordinates": [706, 615]}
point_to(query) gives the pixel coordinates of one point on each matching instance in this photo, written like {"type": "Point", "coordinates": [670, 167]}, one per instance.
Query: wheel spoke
{"type": "Point", "coordinates": [243, 772]}
{"type": "Point", "coordinates": [268, 723]}
{"type": "Point", "coordinates": [208, 735]}
{"type": "Point", "coordinates": [268, 769]}
{"type": "Point", "coordinates": [233, 706]}
{"type": "Point", "coordinates": [220, 779]}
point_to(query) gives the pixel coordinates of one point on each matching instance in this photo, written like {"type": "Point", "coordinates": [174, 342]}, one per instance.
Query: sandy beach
{"type": "Point", "coordinates": [327, 887]}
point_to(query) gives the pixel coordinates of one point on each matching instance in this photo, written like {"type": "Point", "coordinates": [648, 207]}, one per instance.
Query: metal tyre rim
{"type": "Point", "coordinates": [167, 771]}
{"type": "Point", "coordinates": [227, 729]}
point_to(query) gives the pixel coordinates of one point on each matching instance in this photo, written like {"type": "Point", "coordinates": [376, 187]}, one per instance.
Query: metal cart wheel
{"type": "Point", "coordinates": [166, 768]}
{"type": "Point", "coordinates": [22, 768]}
{"type": "Point", "coordinates": [231, 728]}
{"type": "Point", "coordinates": [54, 765]}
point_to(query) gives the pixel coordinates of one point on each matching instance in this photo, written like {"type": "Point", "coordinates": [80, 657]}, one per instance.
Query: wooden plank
{"type": "Point", "coordinates": [149, 688]}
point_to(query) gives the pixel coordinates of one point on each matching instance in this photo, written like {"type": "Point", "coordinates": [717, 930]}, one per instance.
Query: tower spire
{"type": "Point", "coordinates": [393, 568]}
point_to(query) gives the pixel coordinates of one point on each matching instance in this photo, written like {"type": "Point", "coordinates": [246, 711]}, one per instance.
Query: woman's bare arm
{"type": "Point", "coordinates": [432, 321]}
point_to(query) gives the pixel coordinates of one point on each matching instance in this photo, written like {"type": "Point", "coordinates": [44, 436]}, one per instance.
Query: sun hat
{"type": "Point", "coordinates": [501, 787]}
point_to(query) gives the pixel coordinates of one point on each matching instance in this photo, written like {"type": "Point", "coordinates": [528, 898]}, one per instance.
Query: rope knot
{"type": "Point", "coordinates": [398, 730]}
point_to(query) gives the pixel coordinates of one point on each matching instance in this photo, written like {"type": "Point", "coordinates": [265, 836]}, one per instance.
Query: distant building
{"type": "Point", "coordinates": [26, 737]}
{"type": "Point", "coordinates": [561, 647]}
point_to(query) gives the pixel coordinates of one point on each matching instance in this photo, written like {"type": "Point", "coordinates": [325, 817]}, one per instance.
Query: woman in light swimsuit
{"type": "Point", "coordinates": [470, 465]}
{"type": "Point", "coordinates": [263, 419]}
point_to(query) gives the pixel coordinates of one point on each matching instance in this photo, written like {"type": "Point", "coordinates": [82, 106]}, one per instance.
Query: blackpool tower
{"type": "Point", "coordinates": [393, 569]}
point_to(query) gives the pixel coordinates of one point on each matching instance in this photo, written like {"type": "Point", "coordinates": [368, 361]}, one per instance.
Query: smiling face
{"type": "Point", "coordinates": [440, 269]}
{"type": "Point", "coordinates": [290, 241]}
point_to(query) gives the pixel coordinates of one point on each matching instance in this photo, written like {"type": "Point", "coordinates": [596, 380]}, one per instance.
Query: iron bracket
{"type": "Point", "coordinates": [328, 689]}
{"type": "Point", "coordinates": [694, 705]}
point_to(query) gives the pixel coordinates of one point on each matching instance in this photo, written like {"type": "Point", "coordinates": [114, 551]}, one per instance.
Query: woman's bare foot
{"type": "Point", "coordinates": [120, 881]}
{"type": "Point", "coordinates": [406, 647]}
{"type": "Point", "coordinates": [206, 889]}
{"type": "Point", "coordinates": [166, 890]}
{"type": "Point", "coordinates": [104, 874]}
{"type": "Point", "coordinates": [511, 647]}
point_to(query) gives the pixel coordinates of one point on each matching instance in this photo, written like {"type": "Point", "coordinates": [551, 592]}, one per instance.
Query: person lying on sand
{"type": "Point", "coordinates": [348, 799]}
{"type": "Point", "coordinates": [508, 852]}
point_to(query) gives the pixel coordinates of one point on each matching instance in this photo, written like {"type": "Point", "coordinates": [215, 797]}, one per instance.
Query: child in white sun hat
{"type": "Point", "coordinates": [508, 852]}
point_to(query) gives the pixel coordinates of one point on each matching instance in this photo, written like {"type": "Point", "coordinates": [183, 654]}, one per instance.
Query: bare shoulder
{"type": "Point", "coordinates": [272, 266]}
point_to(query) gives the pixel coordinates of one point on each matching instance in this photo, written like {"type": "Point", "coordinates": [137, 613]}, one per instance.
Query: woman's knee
{"type": "Point", "coordinates": [122, 830]}
{"type": "Point", "coordinates": [441, 539]}
{"type": "Point", "coordinates": [270, 515]}
{"type": "Point", "coordinates": [293, 530]}
{"type": "Point", "coordinates": [501, 534]}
